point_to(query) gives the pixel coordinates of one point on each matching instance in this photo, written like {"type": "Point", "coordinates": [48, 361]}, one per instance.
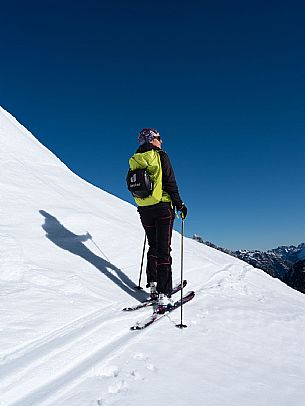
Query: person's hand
{"type": "Point", "coordinates": [183, 211]}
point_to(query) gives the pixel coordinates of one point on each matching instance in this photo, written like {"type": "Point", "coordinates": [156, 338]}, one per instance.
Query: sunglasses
{"type": "Point", "coordinates": [157, 137]}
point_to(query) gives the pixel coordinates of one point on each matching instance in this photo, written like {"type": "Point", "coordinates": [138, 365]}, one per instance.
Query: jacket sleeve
{"type": "Point", "coordinates": [169, 180]}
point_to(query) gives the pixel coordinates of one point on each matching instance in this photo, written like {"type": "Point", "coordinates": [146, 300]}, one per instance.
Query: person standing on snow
{"type": "Point", "coordinates": [157, 213]}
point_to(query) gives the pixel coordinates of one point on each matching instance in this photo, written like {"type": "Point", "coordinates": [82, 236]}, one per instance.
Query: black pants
{"type": "Point", "coordinates": [158, 221]}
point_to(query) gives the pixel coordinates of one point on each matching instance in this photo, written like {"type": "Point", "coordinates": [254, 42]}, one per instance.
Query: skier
{"type": "Point", "coordinates": [157, 213]}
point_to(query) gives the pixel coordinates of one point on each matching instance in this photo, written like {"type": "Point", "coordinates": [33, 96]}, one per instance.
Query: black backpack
{"type": "Point", "coordinates": [139, 183]}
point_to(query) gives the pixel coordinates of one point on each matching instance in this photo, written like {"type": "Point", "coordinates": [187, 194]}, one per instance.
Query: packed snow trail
{"type": "Point", "coordinates": [67, 358]}
{"type": "Point", "coordinates": [69, 257]}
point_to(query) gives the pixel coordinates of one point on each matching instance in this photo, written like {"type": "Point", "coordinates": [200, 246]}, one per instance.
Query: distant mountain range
{"type": "Point", "coordinates": [286, 263]}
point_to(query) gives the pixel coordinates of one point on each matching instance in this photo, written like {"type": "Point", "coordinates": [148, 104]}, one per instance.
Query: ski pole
{"type": "Point", "coordinates": [140, 277]}
{"type": "Point", "coordinates": [181, 325]}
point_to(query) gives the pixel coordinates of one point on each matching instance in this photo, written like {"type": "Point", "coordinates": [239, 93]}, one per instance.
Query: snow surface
{"type": "Point", "coordinates": [69, 257]}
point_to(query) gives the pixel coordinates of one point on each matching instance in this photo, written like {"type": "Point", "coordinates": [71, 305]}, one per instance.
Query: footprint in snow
{"type": "Point", "coordinates": [141, 357]}
{"type": "Point", "coordinates": [151, 367]}
{"type": "Point", "coordinates": [135, 374]}
{"type": "Point", "coordinates": [117, 387]}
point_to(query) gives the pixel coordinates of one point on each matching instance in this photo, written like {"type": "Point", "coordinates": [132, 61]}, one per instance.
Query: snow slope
{"type": "Point", "coordinates": [69, 257]}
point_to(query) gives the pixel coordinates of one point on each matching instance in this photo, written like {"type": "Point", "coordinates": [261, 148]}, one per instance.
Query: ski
{"type": "Point", "coordinates": [157, 315]}
{"type": "Point", "coordinates": [150, 302]}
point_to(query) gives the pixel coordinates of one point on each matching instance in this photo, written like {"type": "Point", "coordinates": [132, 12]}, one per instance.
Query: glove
{"type": "Point", "coordinates": [183, 211]}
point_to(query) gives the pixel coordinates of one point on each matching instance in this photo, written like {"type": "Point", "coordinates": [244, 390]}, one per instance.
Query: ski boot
{"type": "Point", "coordinates": [164, 303]}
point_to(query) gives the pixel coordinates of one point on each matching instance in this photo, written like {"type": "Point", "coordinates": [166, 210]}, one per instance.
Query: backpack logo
{"type": "Point", "coordinates": [139, 183]}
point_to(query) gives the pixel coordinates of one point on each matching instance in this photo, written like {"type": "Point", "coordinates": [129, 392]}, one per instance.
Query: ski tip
{"type": "Point", "coordinates": [192, 294]}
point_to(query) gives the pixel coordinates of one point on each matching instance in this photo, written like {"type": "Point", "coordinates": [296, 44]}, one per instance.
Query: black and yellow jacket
{"type": "Point", "coordinates": [159, 167]}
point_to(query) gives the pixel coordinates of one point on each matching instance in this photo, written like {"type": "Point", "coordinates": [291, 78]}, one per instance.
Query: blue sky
{"type": "Point", "coordinates": [223, 82]}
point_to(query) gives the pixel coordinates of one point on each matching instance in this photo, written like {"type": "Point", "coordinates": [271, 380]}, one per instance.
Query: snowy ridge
{"type": "Point", "coordinates": [25, 143]}
{"type": "Point", "coordinates": [69, 258]}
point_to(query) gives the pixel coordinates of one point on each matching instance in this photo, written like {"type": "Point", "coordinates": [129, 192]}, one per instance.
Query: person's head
{"type": "Point", "coordinates": [150, 135]}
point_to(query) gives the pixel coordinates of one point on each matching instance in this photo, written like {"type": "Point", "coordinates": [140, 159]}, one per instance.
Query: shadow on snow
{"type": "Point", "coordinates": [73, 243]}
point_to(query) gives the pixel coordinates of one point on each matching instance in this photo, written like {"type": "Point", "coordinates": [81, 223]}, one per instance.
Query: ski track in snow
{"type": "Point", "coordinates": [72, 351]}
{"type": "Point", "coordinates": [85, 343]}
{"type": "Point", "coordinates": [111, 380]}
